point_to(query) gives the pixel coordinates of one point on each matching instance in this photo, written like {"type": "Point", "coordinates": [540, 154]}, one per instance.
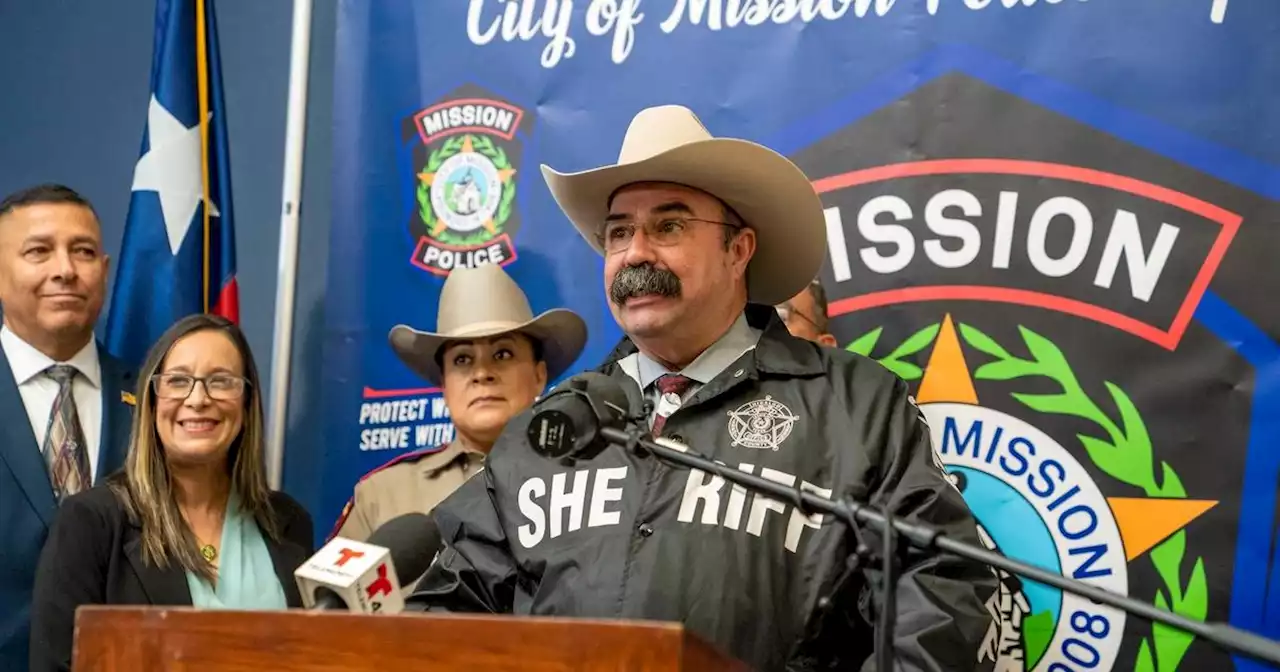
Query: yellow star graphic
{"type": "Point", "coordinates": [426, 178]}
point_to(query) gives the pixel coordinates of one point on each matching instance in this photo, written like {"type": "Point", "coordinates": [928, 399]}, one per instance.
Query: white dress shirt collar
{"type": "Point", "coordinates": [27, 362]}
{"type": "Point", "coordinates": [740, 339]}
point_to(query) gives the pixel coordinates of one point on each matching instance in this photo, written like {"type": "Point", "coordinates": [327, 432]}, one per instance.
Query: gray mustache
{"type": "Point", "coordinates": [643, 280]}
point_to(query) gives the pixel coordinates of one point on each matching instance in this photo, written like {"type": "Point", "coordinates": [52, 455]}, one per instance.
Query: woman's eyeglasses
{"type": "Point", "coordinates": [220, 386]}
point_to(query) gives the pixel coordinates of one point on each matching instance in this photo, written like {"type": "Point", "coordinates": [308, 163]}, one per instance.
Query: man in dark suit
{"type": "Point", "coordinates": [65, 404]}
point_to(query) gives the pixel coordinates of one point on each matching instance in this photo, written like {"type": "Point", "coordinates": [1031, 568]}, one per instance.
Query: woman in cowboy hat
{"type": "Point", "coordinates": [492, 358]}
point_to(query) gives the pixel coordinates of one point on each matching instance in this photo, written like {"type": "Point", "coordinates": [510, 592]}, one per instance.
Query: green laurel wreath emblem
{"type": "Point", "coordinates": [436, 228]}
{"type": "Point", "coordinates": [1125, 455]}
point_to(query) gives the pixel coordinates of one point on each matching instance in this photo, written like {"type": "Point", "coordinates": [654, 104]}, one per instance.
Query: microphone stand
{"type": "Point", "coordinates": [1226, 637]}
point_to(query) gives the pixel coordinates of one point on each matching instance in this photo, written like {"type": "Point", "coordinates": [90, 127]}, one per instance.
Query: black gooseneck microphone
{"type": "Point", "coordinates": [566, 423]}
{"type": "Point", "coordinates": [589, 411]}
{"type": "Point", "coordinates": [413, 540]}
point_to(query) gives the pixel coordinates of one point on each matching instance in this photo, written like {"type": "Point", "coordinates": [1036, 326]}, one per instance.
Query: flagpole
{"type": "Point", "coordinates": [287, 268]}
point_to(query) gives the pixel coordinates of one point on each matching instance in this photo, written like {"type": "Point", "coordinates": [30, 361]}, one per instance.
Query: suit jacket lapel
{"type": "Point", "coordinates": [117, 414]}
{"type": "Point", "coordinates": [163, 586]}
{"type": "Point", "coordinates": [287, 556]}
{"type": "Point", "coordinates": [169, 586]}
{"type": "Point", "coordinates": [18, 447]}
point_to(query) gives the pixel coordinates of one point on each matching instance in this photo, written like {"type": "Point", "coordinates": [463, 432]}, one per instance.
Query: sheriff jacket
{"type": "Point", "coordinates": [628, 537]}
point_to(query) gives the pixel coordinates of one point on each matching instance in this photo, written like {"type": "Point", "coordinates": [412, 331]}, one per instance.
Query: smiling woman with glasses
{"type": "Point", "coordinates": [190, 520]}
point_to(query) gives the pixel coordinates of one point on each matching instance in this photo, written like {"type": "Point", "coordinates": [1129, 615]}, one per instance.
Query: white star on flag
{"type": "Point", "coordinates": [171, 168]}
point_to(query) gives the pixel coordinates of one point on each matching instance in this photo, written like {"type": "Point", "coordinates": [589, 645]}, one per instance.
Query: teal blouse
{"type": "Point", "coordinates": [246, 576]}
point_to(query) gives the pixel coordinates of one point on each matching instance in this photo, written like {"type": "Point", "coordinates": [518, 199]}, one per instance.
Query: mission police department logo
{"type": "Point", "coordinates": [1036, 502]}
{"type": "Point", "coordinates": [1050, 275]}
{"type": "Point", "coordinates": [465, 159]}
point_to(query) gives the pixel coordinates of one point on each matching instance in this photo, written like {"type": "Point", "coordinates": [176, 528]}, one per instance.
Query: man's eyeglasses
{"type": "Point", "coordinates": [785, 311]}
{"type": "Point", "coordinates": [220, 386]}
{"type": "Point", "coordinates": [666, 231]}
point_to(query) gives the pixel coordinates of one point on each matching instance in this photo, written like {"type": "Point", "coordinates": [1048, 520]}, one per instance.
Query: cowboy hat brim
{"type": "Point", "coordinates": [562, 334]}
{"type": "Point", "coordinates": [769, 192]}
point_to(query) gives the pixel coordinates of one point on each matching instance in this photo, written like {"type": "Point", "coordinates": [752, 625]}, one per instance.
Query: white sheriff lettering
{"type": "Point", "coordinates": [705, 489]}
{"type": "Point", "coordinates": [563, 507]}
{"type": "Point", "coordinates": [586, 498]}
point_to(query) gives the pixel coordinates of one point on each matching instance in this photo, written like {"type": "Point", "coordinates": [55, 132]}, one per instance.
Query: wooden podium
{"type": "Point", "coordinates": [130, 639]}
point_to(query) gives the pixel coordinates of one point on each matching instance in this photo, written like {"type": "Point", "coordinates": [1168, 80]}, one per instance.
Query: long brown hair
{"type": "Point", "coordinates": [145, 487]}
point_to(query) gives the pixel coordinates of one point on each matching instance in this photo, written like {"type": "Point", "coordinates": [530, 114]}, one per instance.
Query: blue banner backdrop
{"type": "Point", "coordinates": [1056, 219]}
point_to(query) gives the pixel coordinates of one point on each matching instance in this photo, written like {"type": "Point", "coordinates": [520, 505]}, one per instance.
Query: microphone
{"type": "Point", "coordinates": [585, 413]}
{"type": "Point", "coordinates": [567, 422]}
{"type": "Point", "coordinates": [366, 577]}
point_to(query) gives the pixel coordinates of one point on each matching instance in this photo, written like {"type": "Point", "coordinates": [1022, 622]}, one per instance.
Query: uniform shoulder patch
{"type": "Point", "coordinates": [406, 458]}
{"type": "Point", "coordinates": [342, 519]}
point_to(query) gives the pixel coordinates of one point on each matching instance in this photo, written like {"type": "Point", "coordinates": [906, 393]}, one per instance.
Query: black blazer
{"type": "Point", "coordinates": [94, 556]}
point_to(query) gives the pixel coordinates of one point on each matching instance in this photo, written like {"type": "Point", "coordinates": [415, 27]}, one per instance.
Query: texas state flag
{"type": "Point", "coordinates": [178, 255]}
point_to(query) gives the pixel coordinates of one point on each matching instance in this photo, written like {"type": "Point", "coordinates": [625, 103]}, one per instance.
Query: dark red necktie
{"type": "Point", "coordinates": [672, 383]}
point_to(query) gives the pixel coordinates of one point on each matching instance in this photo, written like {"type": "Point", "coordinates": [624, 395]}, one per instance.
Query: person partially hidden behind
{"type": "Point", "coordinates": [64, 402]}
{"type": "Point", "coordinates": [805, 315]}
{"type": "Point", "coordinates": [701, 238]}
{"type": "Point", "coordinates": [190, 520]}
{"type": "Point", "coordinates": [492, 358]}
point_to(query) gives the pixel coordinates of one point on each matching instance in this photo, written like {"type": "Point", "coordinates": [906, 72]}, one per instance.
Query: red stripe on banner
{"type": "Point", "coordinates": [228, 303]}
{"type": "Point", "coordinates": [1098, 178]}
{"type": "Point", "coordinates": [1021, 297]}
{"type": "Point", "coordinates": [370, 393]}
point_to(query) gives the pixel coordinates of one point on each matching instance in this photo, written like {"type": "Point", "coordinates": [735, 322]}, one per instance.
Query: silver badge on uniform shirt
{"type": "Point", "coordinates": [763, 423]}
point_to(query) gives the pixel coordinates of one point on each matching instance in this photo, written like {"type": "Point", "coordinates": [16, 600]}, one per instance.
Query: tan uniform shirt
{"type": "Point", "coordinates": [414, 481]}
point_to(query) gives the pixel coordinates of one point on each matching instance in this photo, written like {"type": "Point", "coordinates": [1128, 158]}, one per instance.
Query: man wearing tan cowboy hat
{"type": "Point", "coordinates": [701, 238]}
{"type": "Point", "coordinates": [492, 358]}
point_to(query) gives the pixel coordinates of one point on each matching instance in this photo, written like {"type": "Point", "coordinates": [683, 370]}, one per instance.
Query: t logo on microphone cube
{"type": "Point", "coordinates": [359, 574]}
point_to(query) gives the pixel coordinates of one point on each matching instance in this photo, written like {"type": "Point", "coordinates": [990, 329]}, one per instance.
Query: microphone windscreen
{"type": "Point", "coordinates": [413, 540]}
{"type": "Point", "coordinates": [568, 420]}
{"type": "Point", "coordinates": [609, 394]}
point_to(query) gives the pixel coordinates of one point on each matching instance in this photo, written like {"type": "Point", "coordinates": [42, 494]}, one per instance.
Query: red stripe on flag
{"type": "Point", "coordinates": [228, 303]}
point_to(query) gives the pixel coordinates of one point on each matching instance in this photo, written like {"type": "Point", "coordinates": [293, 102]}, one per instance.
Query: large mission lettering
{"type": "Point", "coordinates": [1134, 255]}
{"type": "Point", "coordinates": [952, 239]}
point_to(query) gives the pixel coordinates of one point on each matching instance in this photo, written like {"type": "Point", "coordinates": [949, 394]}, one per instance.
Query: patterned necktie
{"type": "Point", "coordinates": [672, 383]}
{"type": "Point", "coordinates": [65, 452]}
